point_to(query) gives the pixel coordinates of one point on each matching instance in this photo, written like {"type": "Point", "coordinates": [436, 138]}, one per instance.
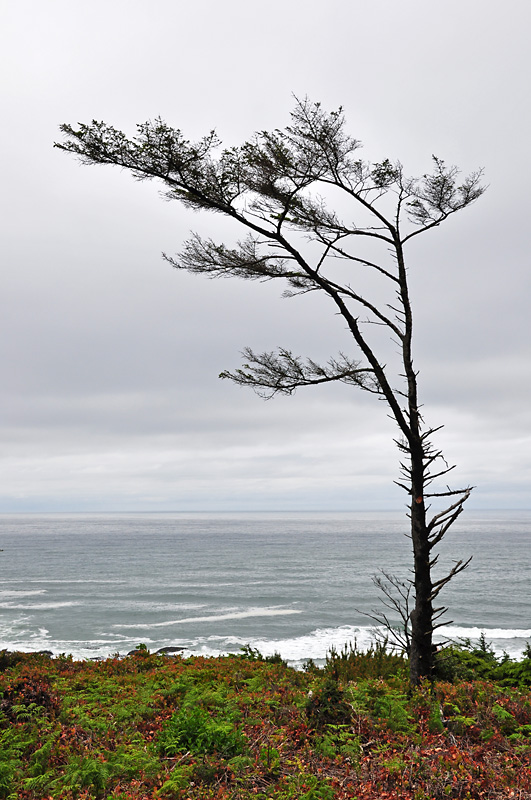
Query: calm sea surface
{"type": "Point", "coordinates": [97, 584]}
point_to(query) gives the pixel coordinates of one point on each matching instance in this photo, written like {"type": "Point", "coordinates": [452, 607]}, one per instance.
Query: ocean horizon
{"type": "Point", "coordinates": [297, 583]}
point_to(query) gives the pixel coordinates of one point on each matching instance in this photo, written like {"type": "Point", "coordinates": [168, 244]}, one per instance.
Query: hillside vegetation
{"type": "Point", "coordinates": [153, 726]}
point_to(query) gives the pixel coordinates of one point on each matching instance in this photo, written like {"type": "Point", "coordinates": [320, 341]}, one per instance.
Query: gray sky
{"type": "Point", "coordinates": [110, 398]}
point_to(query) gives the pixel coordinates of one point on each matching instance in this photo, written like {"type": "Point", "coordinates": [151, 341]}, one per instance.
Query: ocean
{"type": "Point", "coordinates": [92, 585]}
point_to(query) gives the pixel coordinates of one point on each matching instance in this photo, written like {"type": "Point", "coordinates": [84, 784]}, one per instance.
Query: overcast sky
{"type": "Point", "coordinates": [110, 398]}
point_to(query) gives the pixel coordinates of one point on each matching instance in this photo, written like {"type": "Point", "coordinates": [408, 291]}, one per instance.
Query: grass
{"type": "Point", "coordinates": [148, 727]}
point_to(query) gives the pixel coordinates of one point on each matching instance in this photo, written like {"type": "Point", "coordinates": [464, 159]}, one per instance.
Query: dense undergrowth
{"type": "Point", "coordinates": [149, 726]}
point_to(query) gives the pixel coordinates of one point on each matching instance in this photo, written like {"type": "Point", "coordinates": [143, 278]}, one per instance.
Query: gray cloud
{"type": "Point", "coordinates": [109, 358]}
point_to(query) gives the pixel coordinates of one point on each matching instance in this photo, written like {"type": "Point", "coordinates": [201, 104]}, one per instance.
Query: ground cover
{"type": "Point", "coordinates": [153, 726]}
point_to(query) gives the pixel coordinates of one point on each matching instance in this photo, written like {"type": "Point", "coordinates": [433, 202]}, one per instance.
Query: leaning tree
{"type": "Point", "coordinates": [320, 219]}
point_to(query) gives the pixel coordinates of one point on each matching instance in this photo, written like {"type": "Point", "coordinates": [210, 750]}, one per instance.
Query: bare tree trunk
{"type": "Point", "coordinates": [421, 654]}
{"type": "Point", "coordinates": [420, 657]}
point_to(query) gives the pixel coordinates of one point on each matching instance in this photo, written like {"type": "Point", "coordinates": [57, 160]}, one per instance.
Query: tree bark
{"type": "Point", "coordinates": [421, 655]}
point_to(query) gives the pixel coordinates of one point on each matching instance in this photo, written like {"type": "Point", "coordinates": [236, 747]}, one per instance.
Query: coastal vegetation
{"type": "Point", "coordinates": [150, 726]}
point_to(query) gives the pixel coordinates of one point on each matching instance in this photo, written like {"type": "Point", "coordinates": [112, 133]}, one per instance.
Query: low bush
{"type": "Point", "coordinates": [152, 728]}
{"type": "Point", "coordinates": [477, 660]}
{"type": "Point", "coordinates": [351, 664]}
{"type": "Point", "coordinates": [326, 705]}
{"type": "Point", "coordinates": [193, 729]}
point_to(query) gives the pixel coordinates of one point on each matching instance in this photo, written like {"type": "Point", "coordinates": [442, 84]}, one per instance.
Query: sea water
{"type": "Point", "coordinates": [93, 585]}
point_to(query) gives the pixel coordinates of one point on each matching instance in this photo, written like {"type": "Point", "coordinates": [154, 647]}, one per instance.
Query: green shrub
{"type": "Point", "coordinates": [40, 758]}
{"type": "Point", "coordinates": [270, 759]}
{"type": "Point", "coordinates": [521, 734]}
{"type": "Point", "coordinates": [178, 781]}
{"type": "Point", "coordinates": [304, 786]}
{"type": "Point", "coordinates": [248, 653]}
{"type": "Point", "coordinates": [470, 661]}
{"type": "Point", "coordinates": [8, 770]}
{"type": "Point", "coordinates": [383, 703]}
{"type": "Point", "coordinates": [39, 785]}
{"type": "Point", "coordinates": [327, 705]}
{"type": "Point", "coordinates": [435, 719]}
{"type": "Point", "coordinates": [86, 772]}
{"type": "Point", "coordinates": [97, 774]}
{"type": "Point", "coordinates": [240, 766]}
{"type": "Point", "coordinates": [350, 664]}
{"type": "Point", "coordinates": [193, 729]}
{"type": "Point", "coordinates": [8, 659]}
{"type": "Point", "coordinates": [339, 740]}
{"type": "Point", "coordinates": [507, 721]}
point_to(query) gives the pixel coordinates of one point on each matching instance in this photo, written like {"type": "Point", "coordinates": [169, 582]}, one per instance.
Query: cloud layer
{"type": "Point", "coordinates": [110, 358]}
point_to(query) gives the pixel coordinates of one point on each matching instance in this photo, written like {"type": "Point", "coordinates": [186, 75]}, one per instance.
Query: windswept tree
{"type": "Point", "coordinates": [320, 219]}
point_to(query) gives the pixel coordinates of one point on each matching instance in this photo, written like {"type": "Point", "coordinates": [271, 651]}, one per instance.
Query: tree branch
{"type": "Point", "coordinates": [282, 373]}
{"type": "Point", "coordinates": [458, 567]}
